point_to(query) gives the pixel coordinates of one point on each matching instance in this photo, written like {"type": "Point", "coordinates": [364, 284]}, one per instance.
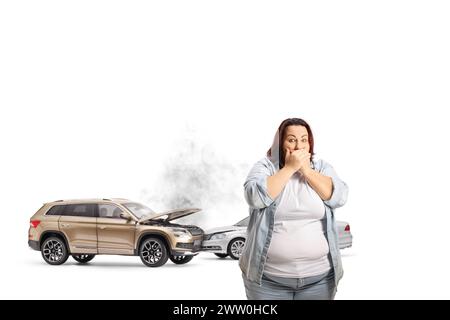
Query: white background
{"type": "Point", "coordinates": [103, 98]}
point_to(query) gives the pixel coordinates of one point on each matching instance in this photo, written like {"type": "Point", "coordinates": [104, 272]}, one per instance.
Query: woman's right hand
{"type": "Point", "coordinates": [296, 159]}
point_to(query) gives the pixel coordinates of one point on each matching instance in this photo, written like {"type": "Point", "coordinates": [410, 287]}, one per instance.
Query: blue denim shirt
{"type": "Point", "coordinates": [262, 215]}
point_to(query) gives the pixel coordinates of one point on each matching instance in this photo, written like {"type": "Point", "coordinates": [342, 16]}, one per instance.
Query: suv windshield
{"type": "Point", "coordinates": [139, 210]}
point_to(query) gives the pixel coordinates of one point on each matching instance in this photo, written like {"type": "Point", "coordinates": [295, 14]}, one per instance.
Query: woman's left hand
{"type": "Point", "coordinates": [305, 160]}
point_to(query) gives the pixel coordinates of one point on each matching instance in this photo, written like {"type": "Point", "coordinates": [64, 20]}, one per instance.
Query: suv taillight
{"type": "Point", "coordinates": [347, 228]}
{"type": "Point", "coordinates": [34, 223]}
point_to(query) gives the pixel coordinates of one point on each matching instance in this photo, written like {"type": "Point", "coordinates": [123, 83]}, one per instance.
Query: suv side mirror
{"type": "Point", "coordinates": [125, 216]}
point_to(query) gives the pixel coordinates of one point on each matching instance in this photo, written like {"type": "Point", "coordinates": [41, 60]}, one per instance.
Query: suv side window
{"type": "Point", "coordinates": [109, 211]}
{"type": "Point", "coordinates": [79, 210]}
{"type": "Point", "coordinates": [55, 211]}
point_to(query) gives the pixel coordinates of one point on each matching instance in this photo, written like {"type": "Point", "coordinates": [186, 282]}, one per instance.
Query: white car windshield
{"type": "Point", "coordinates": [243, 223]}
{"type": "Point", "coordinates": [139, 210]}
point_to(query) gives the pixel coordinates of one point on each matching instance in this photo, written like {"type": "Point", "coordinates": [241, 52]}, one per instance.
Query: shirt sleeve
{"type": "Point", "coordinates": [255, 187]}
{"type": "Point", "coordinates": [340, 189]}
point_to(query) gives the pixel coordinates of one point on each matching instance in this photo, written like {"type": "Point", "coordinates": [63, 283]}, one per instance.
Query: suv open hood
{"type": "Point", "coordinates": [171, 215]}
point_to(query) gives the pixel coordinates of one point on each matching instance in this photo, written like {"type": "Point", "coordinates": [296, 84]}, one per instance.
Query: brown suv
{"type": "Point", "coordinates": [84, 228]}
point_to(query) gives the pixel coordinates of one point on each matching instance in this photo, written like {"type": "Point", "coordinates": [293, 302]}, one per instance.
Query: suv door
{"type": "Point", "coordinates": [115, 234]}
{"type": "Point", "coordinates": [79, 224]}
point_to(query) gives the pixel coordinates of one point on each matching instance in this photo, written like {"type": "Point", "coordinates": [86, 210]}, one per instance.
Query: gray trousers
{"type": "Point", "coordinates": [321, 287]}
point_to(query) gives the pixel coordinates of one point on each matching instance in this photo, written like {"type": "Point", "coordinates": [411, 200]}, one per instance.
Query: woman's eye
{"type": "Point", "coordinates": [291, 140]}
{"type": "Point", "coordinates": [304, 140]}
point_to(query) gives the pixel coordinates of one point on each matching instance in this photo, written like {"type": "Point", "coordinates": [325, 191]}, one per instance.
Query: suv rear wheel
{"type": "Point", "coordinates": [180, 259]}
{"type": "Point", "coordinates": [83, 258]}
{"type": "Point", "coordinates": [54, 251]}
{"type": "Point", "coordinates": [153, 252]}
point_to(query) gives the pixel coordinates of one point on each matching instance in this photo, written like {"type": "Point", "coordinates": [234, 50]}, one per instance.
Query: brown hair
{"type": "Point", "coordinates": [281, 132]}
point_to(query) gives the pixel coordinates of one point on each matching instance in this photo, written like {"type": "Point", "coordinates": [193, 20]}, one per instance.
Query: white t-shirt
{"type": "Point", "coordinates": [298, 247]}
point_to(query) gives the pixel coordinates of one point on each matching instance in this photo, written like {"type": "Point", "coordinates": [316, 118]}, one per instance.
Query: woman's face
{"type": "Point", "coordinates": [296, 138]}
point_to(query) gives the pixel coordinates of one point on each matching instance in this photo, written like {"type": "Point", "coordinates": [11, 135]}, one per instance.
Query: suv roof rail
{"type": "Point", "coordinates": [58, 201]}
{"type": "Point", "coordinates": [106, 199]}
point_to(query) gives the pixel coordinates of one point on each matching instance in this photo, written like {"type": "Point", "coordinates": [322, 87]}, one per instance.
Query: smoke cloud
{"type": "Point", "coordinates": [198, 175]}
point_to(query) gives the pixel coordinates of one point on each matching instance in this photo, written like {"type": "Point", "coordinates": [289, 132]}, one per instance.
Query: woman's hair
{"type": "Point", "coordinates": [281, 135]}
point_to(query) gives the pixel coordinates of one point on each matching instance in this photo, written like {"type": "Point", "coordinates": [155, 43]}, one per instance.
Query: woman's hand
{"type": "Point", "coordinates": [298, 160]}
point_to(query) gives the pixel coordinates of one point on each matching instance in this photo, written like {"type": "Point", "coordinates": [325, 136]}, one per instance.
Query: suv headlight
{"type": "Point", "coordinates": [218, 236]}
{"type": "Point", "coordinates": [181, 233]}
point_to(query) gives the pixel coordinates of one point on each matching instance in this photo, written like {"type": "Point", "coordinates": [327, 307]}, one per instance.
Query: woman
{"type": "Point", "coordinates": [291, 251]}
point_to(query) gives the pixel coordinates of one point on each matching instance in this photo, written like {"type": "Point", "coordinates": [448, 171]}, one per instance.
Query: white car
{"type": "Point", "coordinates": [230, 240]}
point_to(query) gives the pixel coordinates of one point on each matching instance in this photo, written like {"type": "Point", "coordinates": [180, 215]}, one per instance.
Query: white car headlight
{"type": "Point", "coordinates": [218, 236]}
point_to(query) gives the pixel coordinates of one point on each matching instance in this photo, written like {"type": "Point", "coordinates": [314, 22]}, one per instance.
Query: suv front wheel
{"type": "Point", "coordinates": [153, 252]}
{"type": "Point", "coordinates": [83, 258]}
{"type": "Point", "coordinates": [180, 259]}
{"type": "Point", "coordinates": [54, 251]}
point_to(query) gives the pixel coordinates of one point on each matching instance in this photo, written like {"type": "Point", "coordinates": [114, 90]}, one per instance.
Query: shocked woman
{"type": "Point", "coordinates": [291, 251]}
